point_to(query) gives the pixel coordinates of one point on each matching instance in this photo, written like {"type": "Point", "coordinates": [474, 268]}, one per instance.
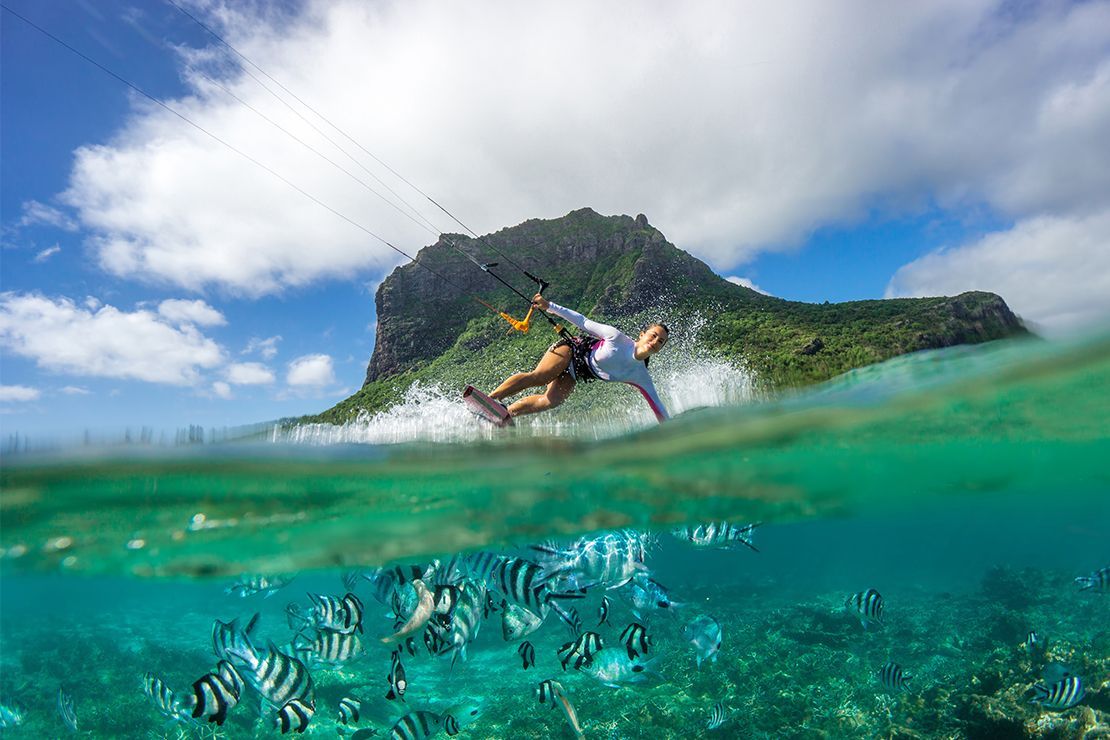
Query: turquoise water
{"type": "Point", "coordinates": [968, 486]}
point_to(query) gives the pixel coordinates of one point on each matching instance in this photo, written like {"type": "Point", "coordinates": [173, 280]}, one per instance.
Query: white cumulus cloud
{"type": "Point", "coordinates": [222, 390]}
{"type": "Point", "coordinates": [197, 312]}
{"type": "Point", "coordinates": [249, 373]}
{"type": "Point", "coordinates": [311, 370]}
{"type": "Point", "coordinates": [736, 127]}
{"type": "Point", "coordinates": [62, 336]}
{"type": "Point", "coordinates": [1053, 271]}
{"type": "Point", "coordinates": [18, 393]}
{"type": "Point", "coordinates": [266, 347]}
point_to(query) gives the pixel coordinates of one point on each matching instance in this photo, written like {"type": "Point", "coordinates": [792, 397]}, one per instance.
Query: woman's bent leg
{"type": "Point", "coordinates": [557, 391]}
{"type": "Point", "coordinates": [550, 367]}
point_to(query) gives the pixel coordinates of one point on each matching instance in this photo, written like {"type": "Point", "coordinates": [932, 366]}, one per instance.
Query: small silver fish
{"type": "Point", "coordinates": [10, 717]}
{"type": "Point", "coordinates": [1097, 581]}
{"type": "Point", "coordinates": [705, 634]}
{"type": "Point", "coordinates": [66, 710]}
{"type": "Point", "coordinates": [248, 585]}
{"type": "Point", "coordinates": [603, 612]}
{"type": "Point", "coordinates": [612, 667]}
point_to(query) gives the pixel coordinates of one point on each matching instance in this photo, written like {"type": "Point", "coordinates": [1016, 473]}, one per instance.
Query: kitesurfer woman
{"type": "Point", "coordinates": [606, 354]}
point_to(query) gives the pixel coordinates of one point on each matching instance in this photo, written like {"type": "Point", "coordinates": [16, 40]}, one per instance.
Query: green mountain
{"type": "Point", "coordinates": [624, 271]}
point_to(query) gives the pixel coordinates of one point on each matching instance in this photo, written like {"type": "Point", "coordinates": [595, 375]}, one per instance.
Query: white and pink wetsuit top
{"type": "Point", "coordinates": [613, 358]}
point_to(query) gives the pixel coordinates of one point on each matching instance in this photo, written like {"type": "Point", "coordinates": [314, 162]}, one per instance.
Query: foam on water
{"type": "Point", "coordinates": [690, 378]}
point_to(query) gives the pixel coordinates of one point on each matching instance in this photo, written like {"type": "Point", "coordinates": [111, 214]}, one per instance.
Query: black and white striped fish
{"type": "Point", "coordinates": [1034, 643]}
{"type": "Point", "coordinates": [444, 599]}
{"type": "Point", "coordinates": [545, 693]}
{"type": "Point", "coordinates": [217, 693]}
{"type": "Point", "coordinates": [482, 565]}
{"type": "Point", "coordinates": [603, 612]}
{"type": "Point", "coordinates": [527, 654]}
{"type": "Point", "coordinates": [248, 585]}
{"type": "Point", "coordinates": [330, 649]}
{"type": "Point", "coordinates": [1097, 581]}
{"type": "Point", "coordinates": [66, 709]}
{"type": "Point", "coordinates": [163, 697]}
{"type": "Point", "coordinates": [892, 678]}
{"type": "Point", "coordinates": [522, 582]}
{"type": "Point", "coordinates": [571, 618]}
{"type": "Point", "coordinates": [295, 715]}
{"type": "Point", "coordinates": [450, 725]}
{"type": "Point", "coordinates": [417, 725]}
{"type": "Point", "coordinates": [435, 641]}
{"type": "Point", "coordinates": [330, 613]}
{"type": "Point", "coordinates": [398, 683]}
{"type": "Point", "coordinates": [720, 535]}
{"type": "Point", "coordinates": [278, 677]}
{"type": "Point", "coordinates": [230, 636]}
{"type": "Point", "coordinates": [868, 606]}
{"type": "Point", "coordinates": [1063, 694]}
{"type": "Point", "coordinates": [636, 640]}
{"type": "Point", "coordinates": [349, 709]}
{"type": "Point", "coordinates": [580, 651]}
{"type": "Point", "coordinates": [717, 716]}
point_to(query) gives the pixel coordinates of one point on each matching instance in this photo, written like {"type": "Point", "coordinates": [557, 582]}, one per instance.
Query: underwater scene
{"type": "Point", "coordinates": [916, 549]}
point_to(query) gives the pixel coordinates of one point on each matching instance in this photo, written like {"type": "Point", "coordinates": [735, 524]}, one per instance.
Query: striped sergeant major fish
{"type": "Point", "coordinates": [229, 635]}
{"type": "Point", "coordinates": [66, 709]}
{"type": "Point", "coordinates": [445, 598]}
{"type": "Point", "coordinates": [1097, 581]}
{"type": "Point", "coordinates": [1034, 643]}
{"type": "Point", "coordinates": [217, 693]}
{"type": "Point", "coordinates": [248, 585]}
{"type": "Point", "coordinates": [524, 583]}
{"type": "Point", "coordinates": [868, 606]}
{"type": "Point", "coordinates": [581, 651]}
{"type": "Point", "coordinates": [892, 678]}
{"type": "Point", "coordinates": [609, 560]}
{"type": "Point", "coordinates": [467, 620]}
{"type": "Point", "coordinates": [163, 697]}
{"type": "Point", "coordinates": [717, 716]}
{"type": "Point", "coordinates": [278, 677]}
{"type": "Point", "coordinates": [327, 613]}
{"type": "Point", "coordinates": [636, 640]}
{"type": "Point", "coordinates": [1063, 694]}
{"type": "Point", "coordinates": [552, 692]}
{"type": "Point", "coordinates": [450, 725]}
{"type": "Point", "coordinates": [416, 725]}
{"type": "Point", "coordinates": [398, 683]}
{"type": "Point", "coordinates": [295, 715]}
{"type": "Point", "coordinates": [718, 535]}
{"type": "Point", "coordinates": [482, 565]}
{"type": "Point", "coordinates": [527, 653]}
{"type": "Point", "coordinates": [328, 649]}
{"type": "Point", "coordinates": [349, 709]}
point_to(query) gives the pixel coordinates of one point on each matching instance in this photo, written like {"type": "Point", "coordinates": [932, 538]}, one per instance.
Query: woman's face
{"type": "Point", "coordinates": [652, 339]}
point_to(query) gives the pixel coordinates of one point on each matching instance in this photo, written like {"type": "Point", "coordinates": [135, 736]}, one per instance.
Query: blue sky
{"type": "Point", "coordinates": [153, 276]}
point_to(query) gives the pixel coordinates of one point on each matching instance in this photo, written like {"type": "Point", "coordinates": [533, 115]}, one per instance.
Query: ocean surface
{"type": "Point", "coordinates": [929, 512]}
